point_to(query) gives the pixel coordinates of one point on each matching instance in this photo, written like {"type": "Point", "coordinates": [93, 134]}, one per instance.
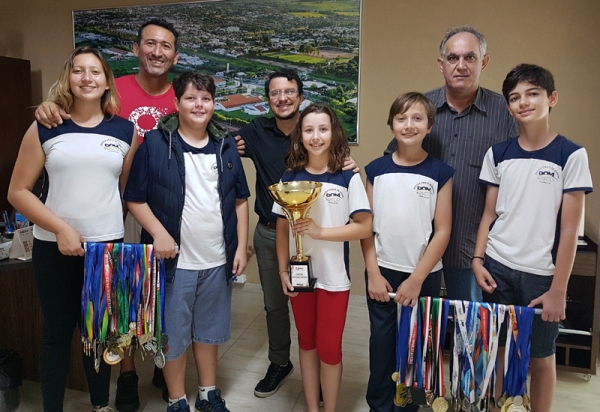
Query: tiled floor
{"type": "Point", "coordinates": [243, 362]}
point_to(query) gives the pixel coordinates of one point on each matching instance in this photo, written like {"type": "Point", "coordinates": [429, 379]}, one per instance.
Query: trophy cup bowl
{"type": "Point", "coordinates": [295, 198]}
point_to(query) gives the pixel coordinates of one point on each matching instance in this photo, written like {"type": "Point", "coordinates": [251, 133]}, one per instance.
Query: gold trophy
{"type": "Point", "coordinates": [295, 198]}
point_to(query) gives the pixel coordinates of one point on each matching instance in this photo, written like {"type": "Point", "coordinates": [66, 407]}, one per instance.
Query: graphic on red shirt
{"type": "Point", "coordinates": [141, 108]}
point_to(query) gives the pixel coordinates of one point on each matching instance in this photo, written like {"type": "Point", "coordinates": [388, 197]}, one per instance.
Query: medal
{"type": "Point", "coordinates": [159, 359]}
{"type": "Point", "coordinates": [466, 405]}
{"type": "Point", "coordinates": [112, 357]}
{"type": "Point", "coordinates": [396, 376]}
{"type": "Point", "coordinates": [439, 404]}
{"type": "Point", "coordinates": [122, 298]}
{"type": "Point", "coordinates": [399, 399]}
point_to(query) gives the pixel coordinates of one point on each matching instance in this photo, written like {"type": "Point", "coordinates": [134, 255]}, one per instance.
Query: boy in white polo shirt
{"type": "Point", "coordinates": [527, 237]}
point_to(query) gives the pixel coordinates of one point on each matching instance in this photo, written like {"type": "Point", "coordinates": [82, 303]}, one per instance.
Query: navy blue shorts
{"type": "Point", "coordinates": [520, 288]}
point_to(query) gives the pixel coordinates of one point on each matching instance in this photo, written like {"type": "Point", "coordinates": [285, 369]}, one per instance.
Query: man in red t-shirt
{"type": "Point", "coordinates": [145, 97]}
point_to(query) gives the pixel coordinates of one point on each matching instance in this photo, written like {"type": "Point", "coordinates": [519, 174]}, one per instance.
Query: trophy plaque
{"type": "Point", "coordinates": [295, 198]}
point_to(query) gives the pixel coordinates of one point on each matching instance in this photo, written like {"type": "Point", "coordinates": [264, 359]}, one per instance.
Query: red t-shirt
{"type": "Point", "coordinates": [141, 108]}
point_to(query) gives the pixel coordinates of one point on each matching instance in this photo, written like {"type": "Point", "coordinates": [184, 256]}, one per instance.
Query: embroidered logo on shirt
{"type": "Point", "coordinates": [424, 190]}
{"type": "Point", "coordinates": [333, 196]}
{"type": "Point", "coordinates": [547, 175]}
{"type": "Point", "coordinates": [111, 145]}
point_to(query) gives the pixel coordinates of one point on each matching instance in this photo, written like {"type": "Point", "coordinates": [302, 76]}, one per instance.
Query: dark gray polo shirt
{"type": "Point", "coordinates": [461, 140]}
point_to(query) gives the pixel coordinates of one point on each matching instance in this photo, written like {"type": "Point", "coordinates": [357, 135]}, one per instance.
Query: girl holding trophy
{"type": "Point", "coordinates": [340, 213]}
{"type": "Point", "coordinates": [87, 157]}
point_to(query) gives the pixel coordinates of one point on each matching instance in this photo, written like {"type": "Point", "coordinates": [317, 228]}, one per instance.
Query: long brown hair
{"type": "Point", "coordinates": [338, 151]}
{"type": "Point", "coordinates": [61, 94]}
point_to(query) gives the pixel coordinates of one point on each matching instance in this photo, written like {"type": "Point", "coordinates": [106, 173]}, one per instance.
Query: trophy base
{"type": "Point", "coordinates": [301, 276]}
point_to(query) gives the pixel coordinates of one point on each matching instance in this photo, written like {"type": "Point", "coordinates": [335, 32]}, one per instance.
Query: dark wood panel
{"type": "Point", "coordinates": [16, 115]}
{"type": "Point", "coordinates": [21, 323]}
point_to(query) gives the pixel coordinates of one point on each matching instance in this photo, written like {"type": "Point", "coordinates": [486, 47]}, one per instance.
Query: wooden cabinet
{"type": "Point", "coordinates": [577, 343]}
{"type": "Point", "coordinates": [16, 114]}
{"type": "Point", "coordinates": [21, 323]}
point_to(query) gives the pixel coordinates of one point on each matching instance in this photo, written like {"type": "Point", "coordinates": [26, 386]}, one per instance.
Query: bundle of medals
{"type": "Point", "coordinates": [122, 302]}
{"type": "Point", "coordinates": [420, 370]}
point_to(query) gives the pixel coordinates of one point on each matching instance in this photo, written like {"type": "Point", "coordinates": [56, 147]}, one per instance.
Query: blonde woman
{"type": "Point", "coordinates": [88, 159]}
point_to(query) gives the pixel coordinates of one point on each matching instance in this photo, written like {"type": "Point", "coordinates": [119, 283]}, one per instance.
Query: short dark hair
{"type": "Point", "coordinates": [530, 73]}
{"type": "Point", "coordinates": [200, 80]}
{"type": "Point", "coordinates": [408, 100]}
{"type": "Point", "coordinates": [288, 74]}
{"type": "Point", "coordinates": [161, 23]}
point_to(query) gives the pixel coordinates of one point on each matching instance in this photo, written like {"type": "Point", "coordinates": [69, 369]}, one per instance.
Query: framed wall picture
{"type": "Point", "coordinates": [239, 43]}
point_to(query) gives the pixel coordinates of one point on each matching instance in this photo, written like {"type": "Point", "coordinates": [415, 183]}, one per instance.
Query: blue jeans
{"type": "Point", "coordinates": [520, 288]}
{"type": "Point", "coordinates": [198, 308]}
{"type": "Point", "coordinates": [276, 303]}
{"type": "Point", "coordinates": [462, 285]}
{"type": "Point", "coordinates": [382, 344]}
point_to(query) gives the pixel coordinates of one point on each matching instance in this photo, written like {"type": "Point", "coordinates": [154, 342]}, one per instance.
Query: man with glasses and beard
{"type": "Point", "coordinates": [266, 142]}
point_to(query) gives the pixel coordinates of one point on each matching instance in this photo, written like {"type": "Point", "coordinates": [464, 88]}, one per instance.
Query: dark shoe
{"type": "Point", "coordinates": [127, 399]}
{"type": "Point", "coordinates": [273, 379]}
{"type": "Point", "coordinates": [158, 380]}
{"type": "Point", "coordinates": [180, 406]}
{"type": "Point", "coordinates": [214, 403]}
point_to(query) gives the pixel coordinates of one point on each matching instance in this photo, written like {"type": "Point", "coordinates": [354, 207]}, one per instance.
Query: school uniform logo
{"type": "Point", "coordinates": [111, 145]}
{"type": "Point", "coordinates": [424, 190]}
{"type": "Point", "coordinates": [333, 196]}
{"type": "Point", "coordinates": [547, 175]}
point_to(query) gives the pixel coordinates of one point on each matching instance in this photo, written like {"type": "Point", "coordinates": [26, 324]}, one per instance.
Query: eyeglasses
{"type": "Point", "coordinates": [287, 92]}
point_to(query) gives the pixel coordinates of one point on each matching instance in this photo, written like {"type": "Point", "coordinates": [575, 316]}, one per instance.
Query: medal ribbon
{"type": "Point", "coordinates": [403, 336]}
{"type": "Point", "coordinates": [465, 314]}
{"type": "Point", "coordinates": [442, 323]}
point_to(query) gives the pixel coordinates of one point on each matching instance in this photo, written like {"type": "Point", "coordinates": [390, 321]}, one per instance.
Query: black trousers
{"type": "Point", "coordinates": [382, 344]}
{"type": "Point", "coordinates": [59, 280]}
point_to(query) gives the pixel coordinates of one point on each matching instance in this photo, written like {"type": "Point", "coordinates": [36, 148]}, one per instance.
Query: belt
{"type": "Point", "coordinates": [267, 223]}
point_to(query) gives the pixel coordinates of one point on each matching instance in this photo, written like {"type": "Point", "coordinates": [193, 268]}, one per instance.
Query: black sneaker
{"type": "Point", "coordinates": [127, 399]}
{"type": "Point", "coordinates": [158, 380]}
{"type": "Point", "coordinates": [273, 379]}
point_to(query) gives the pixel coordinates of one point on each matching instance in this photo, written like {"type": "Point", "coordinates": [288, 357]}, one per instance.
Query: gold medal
{"type": "Point", "coordinates": [395, 376]}
{"type": "Point", "coordinates": [145, 338]}
{"type": "Point", "coordinates": [400, 398]}
{"type": "Point", "coordinates": [526, 400]}
{"type": "Point", "coordinates": [124, 341]}
{"type": "Point", "coordinates": [440, 404]}
{"type": "Point", "coordinates": [516, 408]}
{"type": "Point", "coordinates": [112, 357]}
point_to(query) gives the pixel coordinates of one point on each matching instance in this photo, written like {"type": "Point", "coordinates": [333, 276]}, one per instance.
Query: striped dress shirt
{"type": "Point", "coordinates": [461, 140]}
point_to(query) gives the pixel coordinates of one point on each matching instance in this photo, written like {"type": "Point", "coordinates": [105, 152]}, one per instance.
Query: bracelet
{"type": "Point", "coordinates": [284, 271]}
{"type": "Point", "coordinates": [478, 257]}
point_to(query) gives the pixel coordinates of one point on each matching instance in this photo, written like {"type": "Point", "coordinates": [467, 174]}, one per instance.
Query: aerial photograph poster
{"type": "Point", "coordinates": [239, 43]}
